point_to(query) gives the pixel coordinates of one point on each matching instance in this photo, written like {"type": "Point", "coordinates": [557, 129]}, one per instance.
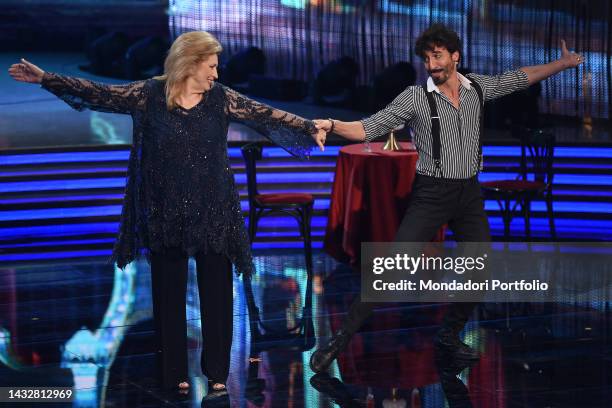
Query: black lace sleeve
{"type": "Point", "coordinates": [289, 131]}
{"type": "Point", "coordinates": [82, 93]}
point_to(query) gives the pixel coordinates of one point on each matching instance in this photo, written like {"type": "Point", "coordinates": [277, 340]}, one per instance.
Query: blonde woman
{"type": "Point", "coordinates": [180, 198]}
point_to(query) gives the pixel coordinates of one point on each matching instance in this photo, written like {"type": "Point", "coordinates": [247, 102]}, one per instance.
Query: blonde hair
{"type": "Point", "coordinates": [188, 50]}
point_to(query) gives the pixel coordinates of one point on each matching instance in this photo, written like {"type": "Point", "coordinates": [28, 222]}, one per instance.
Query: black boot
{"type": "Point", "coordinates": [324, 356]}
{"type": "Point", "coordinates": [452, 355]}
{"type": "Point", "coordinates": [336, 390]}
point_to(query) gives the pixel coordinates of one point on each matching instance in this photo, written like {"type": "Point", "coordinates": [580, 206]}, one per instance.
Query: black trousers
{"type": "Point", "coordinates": [169, 290]}
{"type": "Point", "coordinates": [433, 203]}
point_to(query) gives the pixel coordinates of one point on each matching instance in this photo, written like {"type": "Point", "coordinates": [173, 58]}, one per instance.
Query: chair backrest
{"type": "Point", "coordinates": [251, 153]}
{"type": "Point", "coordinates": [537, 154]}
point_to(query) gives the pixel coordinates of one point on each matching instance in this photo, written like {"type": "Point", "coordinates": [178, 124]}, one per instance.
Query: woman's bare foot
{"type": "Point", "coordinates": [215, 386]}
{"type": "Point", "coordinates": [218, 386]}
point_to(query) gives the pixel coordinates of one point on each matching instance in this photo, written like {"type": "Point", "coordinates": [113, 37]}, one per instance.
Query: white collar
{"type": "Point", "coordinates": [462, 80]}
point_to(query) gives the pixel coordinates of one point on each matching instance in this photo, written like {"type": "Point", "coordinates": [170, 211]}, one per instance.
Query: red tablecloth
{"type": "Point", "coordinates": [369, 198]}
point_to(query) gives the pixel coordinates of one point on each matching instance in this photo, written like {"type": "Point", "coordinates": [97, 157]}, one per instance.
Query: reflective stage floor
{"type": "Point", "coordinates": [88, 326]}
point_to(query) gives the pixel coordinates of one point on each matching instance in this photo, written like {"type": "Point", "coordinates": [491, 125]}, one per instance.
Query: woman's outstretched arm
{"type": "Point", "coordinates": [82, 93]}
{"type": "Point", "coordinates": [293, 133]}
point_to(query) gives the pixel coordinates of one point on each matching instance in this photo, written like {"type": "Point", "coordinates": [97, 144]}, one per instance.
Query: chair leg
{"type": "Point", "coordinates": [253, 219]}
{"type": "Point", "coordinates": [253, 310]}
{"type": "Point", "coordinates": [526, 214]}
{"type": "Point", "coordinates": [307, 215]}
{"type": "Point", "coordinates": [551, 217]}
{"type": "Point", "coordinates": [506, 218]}
{"type": "Point", "coordinates": [307, 325]}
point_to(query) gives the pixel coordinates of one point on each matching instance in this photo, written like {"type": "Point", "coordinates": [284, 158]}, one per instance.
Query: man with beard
{"type": "Point", "coordinates": [446, 116]}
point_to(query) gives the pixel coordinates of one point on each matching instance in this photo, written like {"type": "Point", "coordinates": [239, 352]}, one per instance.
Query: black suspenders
{"type": "Point", "coordinates": [435, 127]}
{"type": "Point", "coordinates": [481, 130]}
{"type": "Point", "coordinates": [435, 130]}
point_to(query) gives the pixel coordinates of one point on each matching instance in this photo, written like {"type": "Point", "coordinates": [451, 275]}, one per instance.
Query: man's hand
{"type": "Point", "coordinates": [537, 73]}
{"type": "Point", "coordinates": [26, 72]}
{"type": "Point", "coordinates": [320, 138]}
{"type": "Point", "coordinates": [570, 59]}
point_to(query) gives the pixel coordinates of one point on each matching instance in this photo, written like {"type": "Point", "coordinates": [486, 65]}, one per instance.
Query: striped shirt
{"type": "Point", "coordinates": [459, 128]}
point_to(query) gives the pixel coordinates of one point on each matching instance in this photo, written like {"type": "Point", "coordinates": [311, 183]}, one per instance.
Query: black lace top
{"type": "Point", "coordinates": [180, 189]}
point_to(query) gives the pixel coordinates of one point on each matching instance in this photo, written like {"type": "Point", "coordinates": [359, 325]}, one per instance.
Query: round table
{"type": "Point", "coordinates": [370, 195]}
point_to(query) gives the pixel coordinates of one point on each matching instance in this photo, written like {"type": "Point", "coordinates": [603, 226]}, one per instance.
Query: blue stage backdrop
{"type": "Point", "coordinates": [298, 37]}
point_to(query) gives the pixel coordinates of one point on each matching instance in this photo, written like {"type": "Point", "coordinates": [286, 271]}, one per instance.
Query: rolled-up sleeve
{"type": "Point", "coordinates": [398, 112]}
{"type": "Point", "coordinates": [496, 86]}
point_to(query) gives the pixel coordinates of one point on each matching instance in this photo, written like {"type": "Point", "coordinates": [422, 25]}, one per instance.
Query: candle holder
{"type": "Point", "coordinates": [391, 144]}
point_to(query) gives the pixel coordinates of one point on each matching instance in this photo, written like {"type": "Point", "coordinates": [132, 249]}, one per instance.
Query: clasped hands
{"type": "Point", "coordinates": [324, 126]}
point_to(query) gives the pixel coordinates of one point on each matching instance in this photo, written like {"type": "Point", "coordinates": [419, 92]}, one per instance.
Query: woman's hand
{"type": "Point", "coordinates": [320, 138]}
{"type": "Point", "coordinates": [26, 72]}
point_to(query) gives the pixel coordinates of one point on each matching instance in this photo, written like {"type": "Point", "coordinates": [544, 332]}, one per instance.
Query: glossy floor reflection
{"type": "Point", "coordinates": [88, 326]}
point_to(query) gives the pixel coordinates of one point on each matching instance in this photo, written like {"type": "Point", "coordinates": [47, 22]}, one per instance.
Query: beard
{"type": "Point", "coordinates": [442, 77]}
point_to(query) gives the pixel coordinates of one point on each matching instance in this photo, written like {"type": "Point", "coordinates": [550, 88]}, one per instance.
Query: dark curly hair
{"type": "Point", "coordinates": [437, 35]}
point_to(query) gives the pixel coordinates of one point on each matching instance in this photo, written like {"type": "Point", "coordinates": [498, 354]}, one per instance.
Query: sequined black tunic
{"type": "Point", "coordinates": [180, 189]}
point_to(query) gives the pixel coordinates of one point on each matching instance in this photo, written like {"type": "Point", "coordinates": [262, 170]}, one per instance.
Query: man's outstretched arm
{"type": "Point", "coordinates": [349, 130]}
{"type": "Point", "coordinates": [398, 112]}
{"type": "Point", "coordinates": [568, 59]}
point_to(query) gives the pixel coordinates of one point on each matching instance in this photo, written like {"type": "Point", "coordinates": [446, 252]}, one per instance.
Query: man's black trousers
{"type": "Point", "coordinates": [433, 203]}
